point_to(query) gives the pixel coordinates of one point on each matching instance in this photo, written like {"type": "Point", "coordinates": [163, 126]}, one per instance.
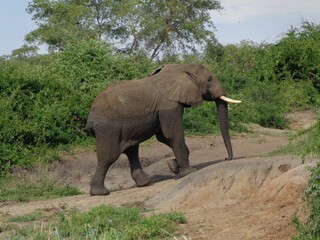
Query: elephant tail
{"type": "Point", "coordinates": [89, 129]}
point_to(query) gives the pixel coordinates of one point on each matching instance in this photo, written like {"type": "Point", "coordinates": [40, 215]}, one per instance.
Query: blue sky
{"type": "Point", "coordinates": [262, 20]}
{"type": "Point", "coordinates": [15, 23]}
{"type": "Point", "coordinates": [256, 20]}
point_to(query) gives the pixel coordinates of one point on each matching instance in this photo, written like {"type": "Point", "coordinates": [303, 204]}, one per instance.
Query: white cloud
{"type": "Point", "coordinates": [244, 10]}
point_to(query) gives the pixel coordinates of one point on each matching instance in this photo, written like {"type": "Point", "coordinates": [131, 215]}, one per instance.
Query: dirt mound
{"type": "Point", "coordinates": [279, 179]}
{"type": "Point", "coordinates": [245, 199]}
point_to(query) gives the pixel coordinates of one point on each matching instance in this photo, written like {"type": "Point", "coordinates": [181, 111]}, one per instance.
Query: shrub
{"type": "Point", "coordinates": [309, 227]}
{"type": "Point", "coordinates": [201, 120]}
{"type": "Point", "coordinates": [45, 99]}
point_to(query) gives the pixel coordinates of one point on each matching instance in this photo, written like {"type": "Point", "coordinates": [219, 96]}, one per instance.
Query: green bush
{"type": "Point", "coordinates": [271, 79]}
{"type": "Point", "coordinates": [308, 224]}
{"type": "Point", "coordinates": [268, 105]}
{"type": "Point", "coordinates": [201, 120]}
{"type": "Point", "coordinates": [309, 227]}
{"type": "Point", "coordinates": [45, 100]}
{"type": "Point", "coordinates": [311, 143]}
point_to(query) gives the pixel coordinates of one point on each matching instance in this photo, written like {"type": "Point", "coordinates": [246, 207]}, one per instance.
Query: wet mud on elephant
{"type": "Point", "coordinates": [129, 112]}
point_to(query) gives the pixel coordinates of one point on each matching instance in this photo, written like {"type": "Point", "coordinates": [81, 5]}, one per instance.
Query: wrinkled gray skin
{"type": "Point", "coordinates": [129, 112]}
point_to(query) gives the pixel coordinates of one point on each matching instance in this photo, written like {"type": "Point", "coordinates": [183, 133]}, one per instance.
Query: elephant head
{"type": "Point", "coordinates": [190, 84]}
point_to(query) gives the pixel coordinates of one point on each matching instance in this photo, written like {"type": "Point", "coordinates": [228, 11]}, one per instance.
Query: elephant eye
{"type": "Point", "coordinates": [209, 79]}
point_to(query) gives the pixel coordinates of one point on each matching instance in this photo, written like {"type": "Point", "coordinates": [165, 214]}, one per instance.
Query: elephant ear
{"type": "Point", "coordinates": [180, 87]}
{"type": "Point", "coordinates": [155, 72]}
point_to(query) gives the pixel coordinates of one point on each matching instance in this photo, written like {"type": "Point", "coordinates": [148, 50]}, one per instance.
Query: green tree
{"type": "Point", "coordinates": [59, 22]}
{"type": "Point", "coordinates": [24, 52]}
{"type": "Point", "coordinates": [147, 27]}
{"type": "Point", "coordinates": [169, 25]}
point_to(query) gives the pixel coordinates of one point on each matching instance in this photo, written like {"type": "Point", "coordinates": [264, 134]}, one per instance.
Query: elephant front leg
{"type": "Point", "coordinates": [137, 173]}
{"type": "Point", "coordinates": [172, 134]}
{"type": "Point", "coordinates": [172, 163]}
{"type": "Point", "coordinates": [181, 163]}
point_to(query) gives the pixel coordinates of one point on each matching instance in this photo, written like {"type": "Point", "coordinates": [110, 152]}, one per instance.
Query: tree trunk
{"type": "Point", "coordinates": [155, 51]}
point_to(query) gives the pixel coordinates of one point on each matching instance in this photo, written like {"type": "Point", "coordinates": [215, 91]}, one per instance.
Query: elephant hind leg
{"type": "Point", "coordinates": [107, 153]}
{"type": "Point", "coordinates": [137, 173]}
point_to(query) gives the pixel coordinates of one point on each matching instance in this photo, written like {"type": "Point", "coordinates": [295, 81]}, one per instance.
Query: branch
{"type": "Point", "coordinates": [155, 52]}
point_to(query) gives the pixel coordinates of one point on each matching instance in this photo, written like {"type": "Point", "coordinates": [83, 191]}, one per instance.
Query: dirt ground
{"type": "Point", "coordinates": [253, 196]}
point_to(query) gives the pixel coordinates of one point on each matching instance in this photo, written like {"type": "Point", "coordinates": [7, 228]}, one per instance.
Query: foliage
{"type": "Point", "coordinates": [146, 27]}
{"type": "Point", "coordinates": [309, 227]}
{"type": "Point", "coordinates": [107, 222]}
{"type": "Point", "coordinates": [60, 22]}
{"type": "Point", "coordinates": [310, 145]}
{"type": "Point", "coordinates": [308, 223]}
{"type": "Point", "coordinates": [46, 99]}
{"type": "Point", "coordinates": [298, 54]}
{"type": "Point", "coordinates": [263, 102]}
{"type": "Point", "coordinates": [271, 78]}
{"type": "Point", "coordinates": [164, 26]}
{"type": "Point", "coordinates": [201, 120]}
{"type": "Point", "coordinates": [20, 189]}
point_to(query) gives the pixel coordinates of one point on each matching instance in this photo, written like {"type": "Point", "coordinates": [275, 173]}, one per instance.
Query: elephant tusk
{"type": "Point", "coordinates": [229, 100]}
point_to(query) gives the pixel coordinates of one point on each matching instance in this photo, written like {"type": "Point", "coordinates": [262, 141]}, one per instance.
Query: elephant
{"type": "Point", "coordinates": [127, 113]}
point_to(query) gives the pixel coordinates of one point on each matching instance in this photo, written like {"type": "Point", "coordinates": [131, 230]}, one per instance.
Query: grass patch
{"type": "Point", "coordinates": [21, 189]}
{"type": "Point", "coordinates": [28, 217]}
{"type": "Point", "coordinates": [305, 143]}
{"type": "Point", "coordinates": [308, 223]}
{"type": "Point", "coordinates": [104, 222]}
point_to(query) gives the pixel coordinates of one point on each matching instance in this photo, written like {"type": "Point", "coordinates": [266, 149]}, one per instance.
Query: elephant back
{"type": "Point", "coordinates": [127, 99]}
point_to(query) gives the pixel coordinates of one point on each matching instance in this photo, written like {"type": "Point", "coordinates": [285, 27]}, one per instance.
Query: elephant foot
{"type": "Point", "coordinates": [186, 171]}
{"type": "Point", "coordinates": [141, 178]}
{"type": "Point", "coordinates": [173, 166]}
{"type": "Point", "coordinates": [98, 191]}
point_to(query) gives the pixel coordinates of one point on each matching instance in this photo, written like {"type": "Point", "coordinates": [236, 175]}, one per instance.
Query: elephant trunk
{"type": "Point", "coordinates": [222, 109]}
